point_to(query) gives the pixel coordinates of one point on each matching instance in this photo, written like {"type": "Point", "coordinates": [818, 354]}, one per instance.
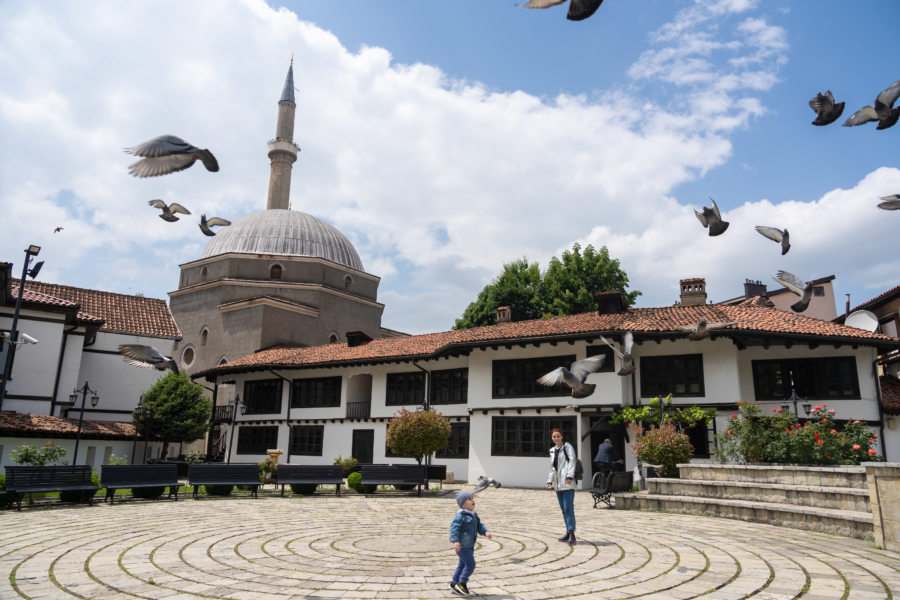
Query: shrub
{"type": "Point", "coordinates": [80, 495]}
{"type": "Point", "coordinates": [404, 486]}
{"type": "Point", "coordinates": [354, 481]}
{"type": "Point", "coordinates": [417, 434]}
{"type": "Point", "coordinates": [117, 460]}
{"type": "Point", "coordinates": [348, 465]}
{"type": "Point", "coordinates": [245, 487]}
{"type": "Point", "coordinates": [37, 457]}
{"type": "Point", "coordinates": [148, 493]}
{"type": "Point", "coordinates": [195, 457]}
{"type": "Point", "coordinates": [5, 499]}
{"type": "Point", "coordinates": [267, 466]}
{"type": "Point", "coordinates": [306, 489]}
{"type": "Point", "coordinates": [663, 445]}
{"type": "Point", "coordinates": [218, 490]}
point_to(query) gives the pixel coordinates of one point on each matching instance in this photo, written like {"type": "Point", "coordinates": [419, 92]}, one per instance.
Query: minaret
{"type": "Point", "coordinates": [282, 150]}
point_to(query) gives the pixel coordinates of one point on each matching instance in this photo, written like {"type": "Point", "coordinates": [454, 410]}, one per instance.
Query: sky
{"type": "Point", "coordinates": [445, 139]}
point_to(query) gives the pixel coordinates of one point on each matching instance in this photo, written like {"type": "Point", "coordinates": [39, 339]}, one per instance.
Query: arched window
{"type": "Point", "coordinates": [348, 281]}
{"type": "Point", "coordinates": [223, 360]}
{"type": "Point", "coordinates": [203, 273]}
{"type": "Point", "coordinates": [275, 272]}
{"type": "Point", "coordinates": [333, 338]}
{"type": "Point", "coordinates": [204, 333]}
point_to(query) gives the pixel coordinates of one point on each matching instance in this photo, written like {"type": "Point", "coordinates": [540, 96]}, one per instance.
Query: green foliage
{"type": "Point", "coordinates": [404, 486]}
{"type": "Point", "coordinates": [663, 445]}
{"type": "Point", "coordinates": [306, 489]}
{"type": "Point", "coordinates": [348, 465]}
{"type": "Point", "coordinates": [195, 457]}
{"type": "Point", "coordinates": [5, 499]}
{"type": "Point", "coordinates": [218, 490]}
{"type": "Point", "coordinates": [354, 482]}
{"type": "Point", "coordinates": [175, 410]}
{"type": "Point", "coordinates": [417, 434]}
{"type": "Point", "coordinates": [661, 408]}
{"type": "Point", "coordinates": [568, 287]}
{"type": "Point", "coordinates": [117, 460]}
{"type": "Point", "coordinates": [80, 495]}
{"type": "Point", "coordinates": [267, 466]}
{"type": "Point", "coordinates": [752, 437]}
{"type": "Point", "coordinates": [37, 457]}
{"type": "Point", "coordinates": [148, 493]}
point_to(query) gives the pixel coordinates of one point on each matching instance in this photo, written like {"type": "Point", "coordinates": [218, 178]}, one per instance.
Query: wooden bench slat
{"type": "Point", "coordinates": [394, 474]}
{"type": "Point", "coordinates": [227, 474]}
{"type": "Point", "coordinates": [310, 474]}
{"type": "Point", "coordinates": [21, 480]}
{"type": "Point", "coordinates": [115, 477]}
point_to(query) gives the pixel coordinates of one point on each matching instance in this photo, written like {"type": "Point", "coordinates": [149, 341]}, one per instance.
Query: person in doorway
{"type": "Point", "coordinates": [606, 459]}
{"type": "Point", "coordinates": [463, 531]}
{"type": "Point", "coordinates": [562, 479]}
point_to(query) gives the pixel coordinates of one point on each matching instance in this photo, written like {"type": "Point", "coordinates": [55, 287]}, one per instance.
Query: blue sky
{"type": "Point", "coordinates": [445, 139]}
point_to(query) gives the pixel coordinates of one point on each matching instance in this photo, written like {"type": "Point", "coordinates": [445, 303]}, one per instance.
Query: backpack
{"type": "Point", "coordinates": [579, 470]}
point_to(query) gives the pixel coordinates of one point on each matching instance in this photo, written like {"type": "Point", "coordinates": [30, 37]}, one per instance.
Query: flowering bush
{"type": "Point", "coordinates": [780, 438]}
{"type": "Point", "coordinates": [663, 445]}
{"type": "Point", "coordinates": [37, 457]}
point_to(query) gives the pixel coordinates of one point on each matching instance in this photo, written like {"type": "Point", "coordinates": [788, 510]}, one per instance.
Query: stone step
{"type": "Point", "coordinates": [844, 476]}
{"type": "Point", "coordinates": [841, 498]}
{"type": "Point", "coordinates": [842, 522]}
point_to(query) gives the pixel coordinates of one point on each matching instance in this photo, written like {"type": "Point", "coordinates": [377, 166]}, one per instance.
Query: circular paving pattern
{"type": "Point", "coordinates": [275, 548]}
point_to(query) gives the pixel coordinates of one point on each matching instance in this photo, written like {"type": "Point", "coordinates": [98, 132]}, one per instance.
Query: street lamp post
{"type": "Point", "coordinates": [138, 411]}
{"type": "Point", "coordinates": [74, 398]}
{"type": "Point", "coordinates": [31, 251]}
{"type": "Point", "coordinates": [795, 398]}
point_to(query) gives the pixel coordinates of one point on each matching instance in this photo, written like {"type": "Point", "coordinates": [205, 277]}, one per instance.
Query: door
{"type": "Point", "coordinates": [363, 445]}
{"type": "Point", "coordinates": [605, 429]}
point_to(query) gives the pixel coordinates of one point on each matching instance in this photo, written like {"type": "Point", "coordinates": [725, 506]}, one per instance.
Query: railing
{"type": "Point", "coordinates": [223, 414]}
{"type": "Point", "coordinates": [358, 410]}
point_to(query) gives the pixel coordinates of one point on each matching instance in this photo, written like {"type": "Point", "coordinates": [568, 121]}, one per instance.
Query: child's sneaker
{"type": "Point", "coordinates": [463, 587]}
{"type": "Point", "coordinates": [456, 589]}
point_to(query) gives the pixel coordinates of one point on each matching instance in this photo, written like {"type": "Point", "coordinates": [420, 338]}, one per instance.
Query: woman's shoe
{"type": "Point", "coordinates": [571, 539]}
{"type": "Point", "coordinates": [564, 538]}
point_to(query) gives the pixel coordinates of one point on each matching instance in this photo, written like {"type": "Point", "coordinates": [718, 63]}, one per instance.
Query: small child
{"type": "Point", "coordinates": [463, 530]}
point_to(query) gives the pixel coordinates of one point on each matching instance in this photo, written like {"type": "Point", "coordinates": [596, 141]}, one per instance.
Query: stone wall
{"type": "Point", "coordinates": [884, 500]}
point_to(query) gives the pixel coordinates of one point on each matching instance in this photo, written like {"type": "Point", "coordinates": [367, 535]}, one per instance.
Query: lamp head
{"type": "Point", "coordinates": [33, 250]}
{"type": "Point", "coordinates": [73, 397]}
{"type": "Point", "coordinates": [33, 272]}
{"type": "Point", "coordinates": [94, 400]}
{"type": "Point", "coordinates": [807, 406]}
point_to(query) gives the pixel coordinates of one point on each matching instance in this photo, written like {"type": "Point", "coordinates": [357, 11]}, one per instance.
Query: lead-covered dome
{"type": "Point", "coordinates": [287, 232]}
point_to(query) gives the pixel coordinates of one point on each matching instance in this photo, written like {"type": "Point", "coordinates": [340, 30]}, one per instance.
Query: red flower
{"type": "Point", "coordinates": [816, 436]}
{"type": "Point", "coordinates": [828, 457]}
{"type": "Point", "coordinates": [824, 405]}
{"type": "Point", "coordinates": [734, 416]}
{"type": "Point", "coordinates": [729, 432]}
{"type": "Point", "coordinates": [875, 436]}
{"type": "Point", "coordinates": [739, 402]}
{"type": "Point", "coordinates": [830, 411]}
{"type": "Point", "coordinates": [872, 451]}
{"type": "Point", "coordinates": [780, 409]}
{"type": "Point", "coordinates": [773, 409]}
{"type": "Point", "coordinates": [856, 422]}
{"type": "Point", "coordinates": [817, 408]}
{"type": "Point", "coordinates": [843, 440]}
{"type": "Point", "coordinates": [788, 429]}
{"type": "Point", "coordinates": [856, 446]}
{"type": "Point", "coordinates": [820, 442]}
{"type": "Point", "coordinates": [824, 420]}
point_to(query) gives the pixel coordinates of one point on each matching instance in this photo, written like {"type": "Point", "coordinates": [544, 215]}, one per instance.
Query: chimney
{"type": "Point", "coordinates": [693, 291]}
{"type": "Point", "coordinates": [610, 303]}
{"type": "Point", "coordinates": [504, 314]}
{"type": "Point", "coordinates": [357, 338]}
{"type": "Point", "coordinates": [754, 288]}
{"type": "Point", "coordinates": [847, 312]}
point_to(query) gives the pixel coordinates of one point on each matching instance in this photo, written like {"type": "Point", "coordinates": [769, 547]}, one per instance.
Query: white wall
{"type": "Point", "coordinates": [119, 448]}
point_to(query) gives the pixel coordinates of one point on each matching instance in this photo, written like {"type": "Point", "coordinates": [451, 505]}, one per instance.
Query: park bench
{"type": "Point", "coordinates": [609, 483]}
{"type": "Point", "coordinates": [438, 472]}
{"type": "Point", "coordinates": [394, 475]}
{"type": "Point", "coordinates": [24, 480]}
{"type": "Point", "coordinates": [227, 474]}
{"type": "Point", "coordinates": [309, 474]}
{"type": "Point", "coordinates": [114, 477]}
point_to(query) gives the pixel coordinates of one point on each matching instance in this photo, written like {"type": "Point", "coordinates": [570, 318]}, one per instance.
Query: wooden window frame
{"type": "Point", "coordinates": [812, 378]}
{"type": "Point", "coordinates": [449, 386]}
{"type": "Point", "coordinates": [246, 437]}
{"type": "Point", "coordinates": [661, 375]}
{"type": "Point", "coordinates": [529, 436]}
{"type": "Point", "coordinates": [517, 378]}
{"type": "Point", "coordinates": [405, 389]}
{"type": "Point", "coordinates": [316, 392]}
{"type": "Point", "coordinates": [256, 405]}
{"type": "Point", "coordinates": [458, 443]}
{"type": "Point", "coordinates": [307, 440]}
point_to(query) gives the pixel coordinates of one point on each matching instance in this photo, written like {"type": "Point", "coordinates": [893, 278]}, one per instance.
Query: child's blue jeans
{"type": "Point", "coordinates": [466, 565]}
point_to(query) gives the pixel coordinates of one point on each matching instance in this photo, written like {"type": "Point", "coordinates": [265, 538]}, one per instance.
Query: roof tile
{"type": "Point", "coordinates": [28, 425]}
{"type": "Point", "coordinates": [890, 394]}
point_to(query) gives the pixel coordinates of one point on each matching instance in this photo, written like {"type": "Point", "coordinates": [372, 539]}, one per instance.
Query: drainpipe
{"type": "Point", "coordinates": [62, 354]}
{"type": "Point", "coordinates": [287, 412]}
{"type": "Point", "coordinates": [880, 410]}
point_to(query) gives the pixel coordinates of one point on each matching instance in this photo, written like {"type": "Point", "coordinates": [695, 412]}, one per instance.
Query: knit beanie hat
{"type": "Point", "coordinates": [463, 497]}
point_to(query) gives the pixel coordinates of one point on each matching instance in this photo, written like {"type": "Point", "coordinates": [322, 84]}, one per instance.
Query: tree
{"type": "Point", "coordinates": [417, 434]}
{"type": "Point", "coordinates": [568, 287]}
{"type": "Point", "coordinates": [175, 410]}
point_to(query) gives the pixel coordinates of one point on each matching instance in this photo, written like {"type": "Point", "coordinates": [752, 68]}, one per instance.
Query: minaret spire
{"type": "Point", "coordinates": [282, 150]}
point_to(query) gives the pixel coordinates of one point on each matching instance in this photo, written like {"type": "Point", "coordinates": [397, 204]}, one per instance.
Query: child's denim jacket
{"type": "Point", "coordinates": [465, 528]}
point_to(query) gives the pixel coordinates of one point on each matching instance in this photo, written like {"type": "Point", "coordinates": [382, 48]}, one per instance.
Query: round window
{"type": "Point", "coordinates": [187, 357]}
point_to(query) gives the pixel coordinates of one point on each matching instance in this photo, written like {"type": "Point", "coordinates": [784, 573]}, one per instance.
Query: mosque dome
{"type": "Point", "coordinates": [286, 232]}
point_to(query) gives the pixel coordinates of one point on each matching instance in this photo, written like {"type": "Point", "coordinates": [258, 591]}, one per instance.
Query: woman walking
{"type": "Point", "coordinates": [562, 478]}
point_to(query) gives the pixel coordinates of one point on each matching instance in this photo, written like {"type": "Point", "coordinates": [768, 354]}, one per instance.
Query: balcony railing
{"type": "Point", "coordinates": [223, 414]}
{"type": "Point", "coordinates": [359, 410]}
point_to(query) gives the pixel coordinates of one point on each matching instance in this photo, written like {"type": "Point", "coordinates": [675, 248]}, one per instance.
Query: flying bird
{"type": "Point", "coordinates": [169, 210]}
{"type": "Point", "coordinates": [627, 362]}
{"type": "Point", "coordinates": [827, 111]}
{"type": "Point", "coordinates": [883, 111]}
{"type": "Point", "coordinates": [891, 202]}
{"type": "Point", "coordinates": [780, 236]}
{"type": "Point", "coordinates": [579, 10]}
{"type": "Point", "coordinates": [484, 483]}
{"type": "Point", "coordinates": [147, 357]}
{"type": "Point", "coordinates": [575, 375]}
{"type": "Point", "coordinates": [205, 224]}
{"type": "Point", "coordinates": [798, 286]}
{"type": "Point", "coordinates": [168, 154]}
{"type": "Point", "coordinates": [57, 230]}
{"type": "Point", "coordinates": [699, 331]}
{"type": "Point", "coordinates": [712, 219]}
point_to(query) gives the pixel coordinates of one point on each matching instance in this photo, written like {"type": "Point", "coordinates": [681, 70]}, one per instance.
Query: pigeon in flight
{"type": "Point", "coordinates": [168, 154]}
{"type": "Point", "coordinates": [891, 202]}
{"type": "Point", "coordinates": [205, 224]}
{"type": "Point", "coordinates": [57, 229]}
{"type": "Point", "coordinates": [579, 10]}
{"type": "Point", "coordinates": [484, 483]}
{"type": "Point", "coordinates": [712, 219]}
{"type": "Point", "coordinates": [147, 357]}
{"type": "Point", "coordinates": [883, 112]}
{"type": "Point", "coordinates": [169, 210]}
{"type": "Point", "coordinates": [780, 236]}
{"type": "Point", "coordinates": [575, 375]}
{"type": "Point", "coordinates": [798, 286]}
{"type": "Point", "coordinates": [627, 362]}
{"type": "Point", "coordinates": [827, 111]}
{"type": "Point", "coordinates": [699, 331]}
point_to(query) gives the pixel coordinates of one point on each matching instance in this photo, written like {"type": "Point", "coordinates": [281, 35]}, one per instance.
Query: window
{"type": "Point", "coordinates": [203, 336]}
{"type": "Point", "coordinates": [256, 440]}
{"type": "Point", "coordinates": [528, 436]}
{"type": "Point", "coordinates": [609, 365]}
{"type": "Point", "coordinates": [450, 386]}
{"type": "Point", "coordinates": [458, 444]}
{"type": "Point", "coordinates": [333, 338]}
{"type": "Point", "coordinates": [405, 388]}
{"type": "Point", "coordinates": [275, 272]}
{"type": "Point", "coordinates": [818, 291]}
{"type": "Point", "coordinates": [518, 378]}
{"type": "Point", "coordinates": [187, 356]}
{"type": "Point", "coordinates": [316, 392]}
{"type": "Point", "coordinates": [813, 378]}
{"type": "Point", "coordinates": [306, 440]}
{"type": "Point", "coordinates": [203, 273]}
{"type": "Point", "coordinates": [348, 281]}
{"type": "Point", "coordinates": [678, 374]}
{"type": "Point", "coordinates": [262, 397]}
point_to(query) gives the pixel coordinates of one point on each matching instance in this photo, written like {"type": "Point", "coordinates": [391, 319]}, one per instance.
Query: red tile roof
{"type": "Point", "coordinates": [652, 322]}
{"type": "Point", "coordinates": [890, 394]}
{"type": "Point", "coordinates": [121, 313]}
{"type": "Point", "coordinates": [16, 424]}
{"type": "Point", "coordinates": [882, 297]}
{"type": "Point", "coordinates": [39, 298]}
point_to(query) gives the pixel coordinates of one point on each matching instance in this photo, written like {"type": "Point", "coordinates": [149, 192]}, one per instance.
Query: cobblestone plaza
{"type": "Point", "coordinates": [352, 546]}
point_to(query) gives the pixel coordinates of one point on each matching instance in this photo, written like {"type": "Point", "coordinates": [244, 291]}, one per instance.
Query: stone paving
{"type": "Point", "coordinates": [296, 547]}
